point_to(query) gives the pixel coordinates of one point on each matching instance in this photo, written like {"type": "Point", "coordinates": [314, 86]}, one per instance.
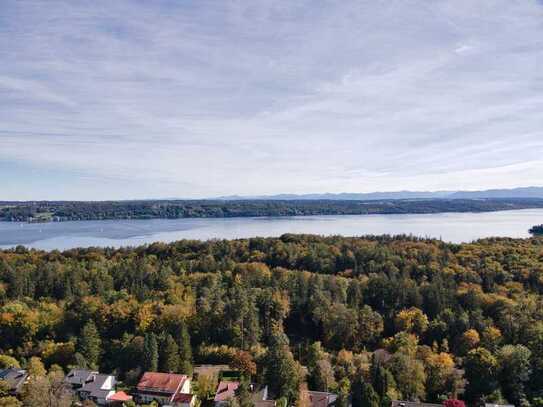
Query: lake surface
{"type": "Point", "coordinates": [452, 227]}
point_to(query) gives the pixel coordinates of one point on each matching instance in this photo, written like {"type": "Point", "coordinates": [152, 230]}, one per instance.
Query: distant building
{"type": "Point", "coordinates": [76, 378]}
{"type": "Point", "coordinates": [226, 390]}
{"type": "Point", "coordinates": [183, 400]}
{"type": "Point", "coordinates": [91, 385]}
{"type": "Point", "coordinates": [118, 399]}
{"type": "Point", "coordinates": [400, 403]}
{"type": "Point", "coordinates": [15, 378]}
{"type": "Point", "coordinates": [98, 388]}
{"type": "Point", "coordinates": [162, 388]}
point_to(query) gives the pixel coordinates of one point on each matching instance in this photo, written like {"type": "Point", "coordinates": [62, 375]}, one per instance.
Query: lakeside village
{"type": "Point", "coordinates": [219, 386]}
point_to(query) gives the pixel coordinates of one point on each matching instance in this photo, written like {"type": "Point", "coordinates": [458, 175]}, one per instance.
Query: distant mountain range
{"type": "Point", "coordinates": [526, 192]}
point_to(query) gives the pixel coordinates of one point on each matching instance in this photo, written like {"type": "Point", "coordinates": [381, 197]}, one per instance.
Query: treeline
{"type": "Point", "coordinates": [173, 209]}
{"type": "Point", "coordinates": [374, 319]}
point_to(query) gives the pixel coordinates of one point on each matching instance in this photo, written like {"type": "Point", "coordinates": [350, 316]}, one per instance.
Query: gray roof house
{"type": "Point", "coordinates": [15, 378]}
{"type": "Point", "coordinates": [90, 385]}
{"type": "Point", "coordinates": [77, 377]}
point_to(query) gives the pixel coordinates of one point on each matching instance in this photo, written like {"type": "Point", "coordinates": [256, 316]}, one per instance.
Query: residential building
{"type": "Point", "coordinates": [15, 379]}
{"type": "Point", "coordinates": [401, 403]}
{"type": "Point", "coordinates": [118, 399]}
{"type": "Point", "coordinates": [161, 387]}
{"type": "Point", "coordinates": [226, 390]}
{"type": "Point", "coordinates": [183, 400]}
{"type": "Point", "coordinates": [97, 388]}
{"type": "Point", "coordinates": [76, 378]}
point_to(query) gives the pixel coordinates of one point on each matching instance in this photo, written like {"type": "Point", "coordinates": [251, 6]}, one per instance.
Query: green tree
{"type": "Point", "coordinates": [281, 370]}
{"type": "Point", "coordinates": [49, 390]}
{"type": "Point", "coordinates": [90, 344]}
{"type": "Point", "coordinates": [343, 390]}
{"type": "Point", "coordinates": [369, 397]}
{"type": "Point", "coordinates": [169, 355]}
{"type": "Point", "coordinates": [514, 372]}
{"type": "Point", "coordinates": [481, 373]}
{"type": "Point", "coordinates": [205, 387]}
{"type": "Point", "coordinates": [7, 361]}
{"type": "Point", "coordinates": [5, 388]}
{"type": "Point", "coordinates": [185, 349]}
{"type": "Point", "coordinates": [409, 375]}
{"type": "Point", "coordinates": [243, 394]}
{"type": "Point", "coordinates": [35, 367]}
{"type": "Point", "coordinates": [10, 401]}
{"type": "Point", "coordinates": [150, 353]}
{"type": "Point", "coordinates": [356, 391]}
{"type": "Point", "coordinates": [321, 373]}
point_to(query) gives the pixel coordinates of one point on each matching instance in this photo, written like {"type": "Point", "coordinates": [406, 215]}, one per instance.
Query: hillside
{"type": "Point", "coordinates": [44, 211]}
{"type": "Point", "coordinates": [446, 320]}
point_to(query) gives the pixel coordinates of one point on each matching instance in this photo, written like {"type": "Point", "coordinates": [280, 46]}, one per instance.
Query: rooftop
{"type": "Point", "coordinates": [226, 390]}
{"type": "Point", "coordinates": [164, 382]}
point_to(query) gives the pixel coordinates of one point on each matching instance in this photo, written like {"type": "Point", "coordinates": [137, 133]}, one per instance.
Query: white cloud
{"type": "Point", "coordinates": [209, 97]}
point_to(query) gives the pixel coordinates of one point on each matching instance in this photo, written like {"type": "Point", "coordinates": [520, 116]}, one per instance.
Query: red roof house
{"type": "Point", "coordinates": [119, 398]}
{"type": "Point", "coordinates": [162, 387]}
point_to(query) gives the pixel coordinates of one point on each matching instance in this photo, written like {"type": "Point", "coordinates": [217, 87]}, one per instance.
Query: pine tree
{"type": "Point", "coordinates": [169, 355]}
{"type": "Point", "coordinates": [185, 350]}
{"type": "Point", "coordinates": [243, 394]}
{"type": "Point", "coordinates": [356, 391]}
{"type": "Point", "coordinates": [369, 396]}
{"type": "Point", "coordinates": [150, 353]}
{"type": "Point", "coordinates": [281, 369]}
{"type": "Point", "coordinates": [90, 344]}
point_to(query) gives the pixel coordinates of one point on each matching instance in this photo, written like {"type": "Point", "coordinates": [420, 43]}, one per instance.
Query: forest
{"type": "Point", "coordinates": [45, 211]}
{"type": "Point", "coordinates": [372, 319]}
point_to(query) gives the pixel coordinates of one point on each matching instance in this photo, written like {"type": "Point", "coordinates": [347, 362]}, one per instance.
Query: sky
{"type": "Point", "coordinates": [160, 99]}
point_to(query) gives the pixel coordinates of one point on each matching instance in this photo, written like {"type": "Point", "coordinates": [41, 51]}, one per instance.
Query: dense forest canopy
{"type": "Point", "coordinates": [76, 210]}
{"type": "Point", "coordinates": [377, 318]}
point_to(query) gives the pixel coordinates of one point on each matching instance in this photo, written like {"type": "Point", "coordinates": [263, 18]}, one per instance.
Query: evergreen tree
{"type": "Point", "coordinates": [185, 349]}
{"type": "Point", "coordinates": [150, 353]}
{"type": "Point", "coordinates": [169, 355]}
{"type": "Point", "coordinates": [356, 391]}
{"type": "Point", "coordinates": [281, 370]}
{"type": "Point", "coordinates": [243, 394]}
{"type": "Point", "coordinates": [90, 344]}
{"type": "Point", "coordinates": [369, 397]}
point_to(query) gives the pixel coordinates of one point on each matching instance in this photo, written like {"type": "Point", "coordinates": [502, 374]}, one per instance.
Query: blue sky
{"type": "Point", "coordinates": [140, 99]}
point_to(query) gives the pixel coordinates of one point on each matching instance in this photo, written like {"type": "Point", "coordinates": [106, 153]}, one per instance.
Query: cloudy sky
{"type": "Point", "coordinates": [149, 99]}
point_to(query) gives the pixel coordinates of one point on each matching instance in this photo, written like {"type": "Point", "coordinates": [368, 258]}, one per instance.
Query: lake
{"type": "Point", "coordinates": [452, 227]}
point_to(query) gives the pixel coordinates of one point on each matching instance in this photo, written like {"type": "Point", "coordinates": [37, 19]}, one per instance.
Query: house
{"type": "Point", "coordinates": [15, 379]}
{"type": "Point", "coordinates": [318, 398]}
{"type": "Point", "coordinates": [226, 391]}
{"type": "Point", "coordinates": [97, 388]}
{"type": "Point", "coordinates": [161, 387]}
{"type": "Point", "coordinates": [77, 377]}
{"type": "Point", "coordinates": [401, 403]}
{"type": "Point", "coordinates": [259, 392]}
{"type": "Point", "coordinates": [260, 396]}
{"type": "Point", "coordinates": [117, 399]}
{"type": "Point", "coordinates": [183, 400]}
